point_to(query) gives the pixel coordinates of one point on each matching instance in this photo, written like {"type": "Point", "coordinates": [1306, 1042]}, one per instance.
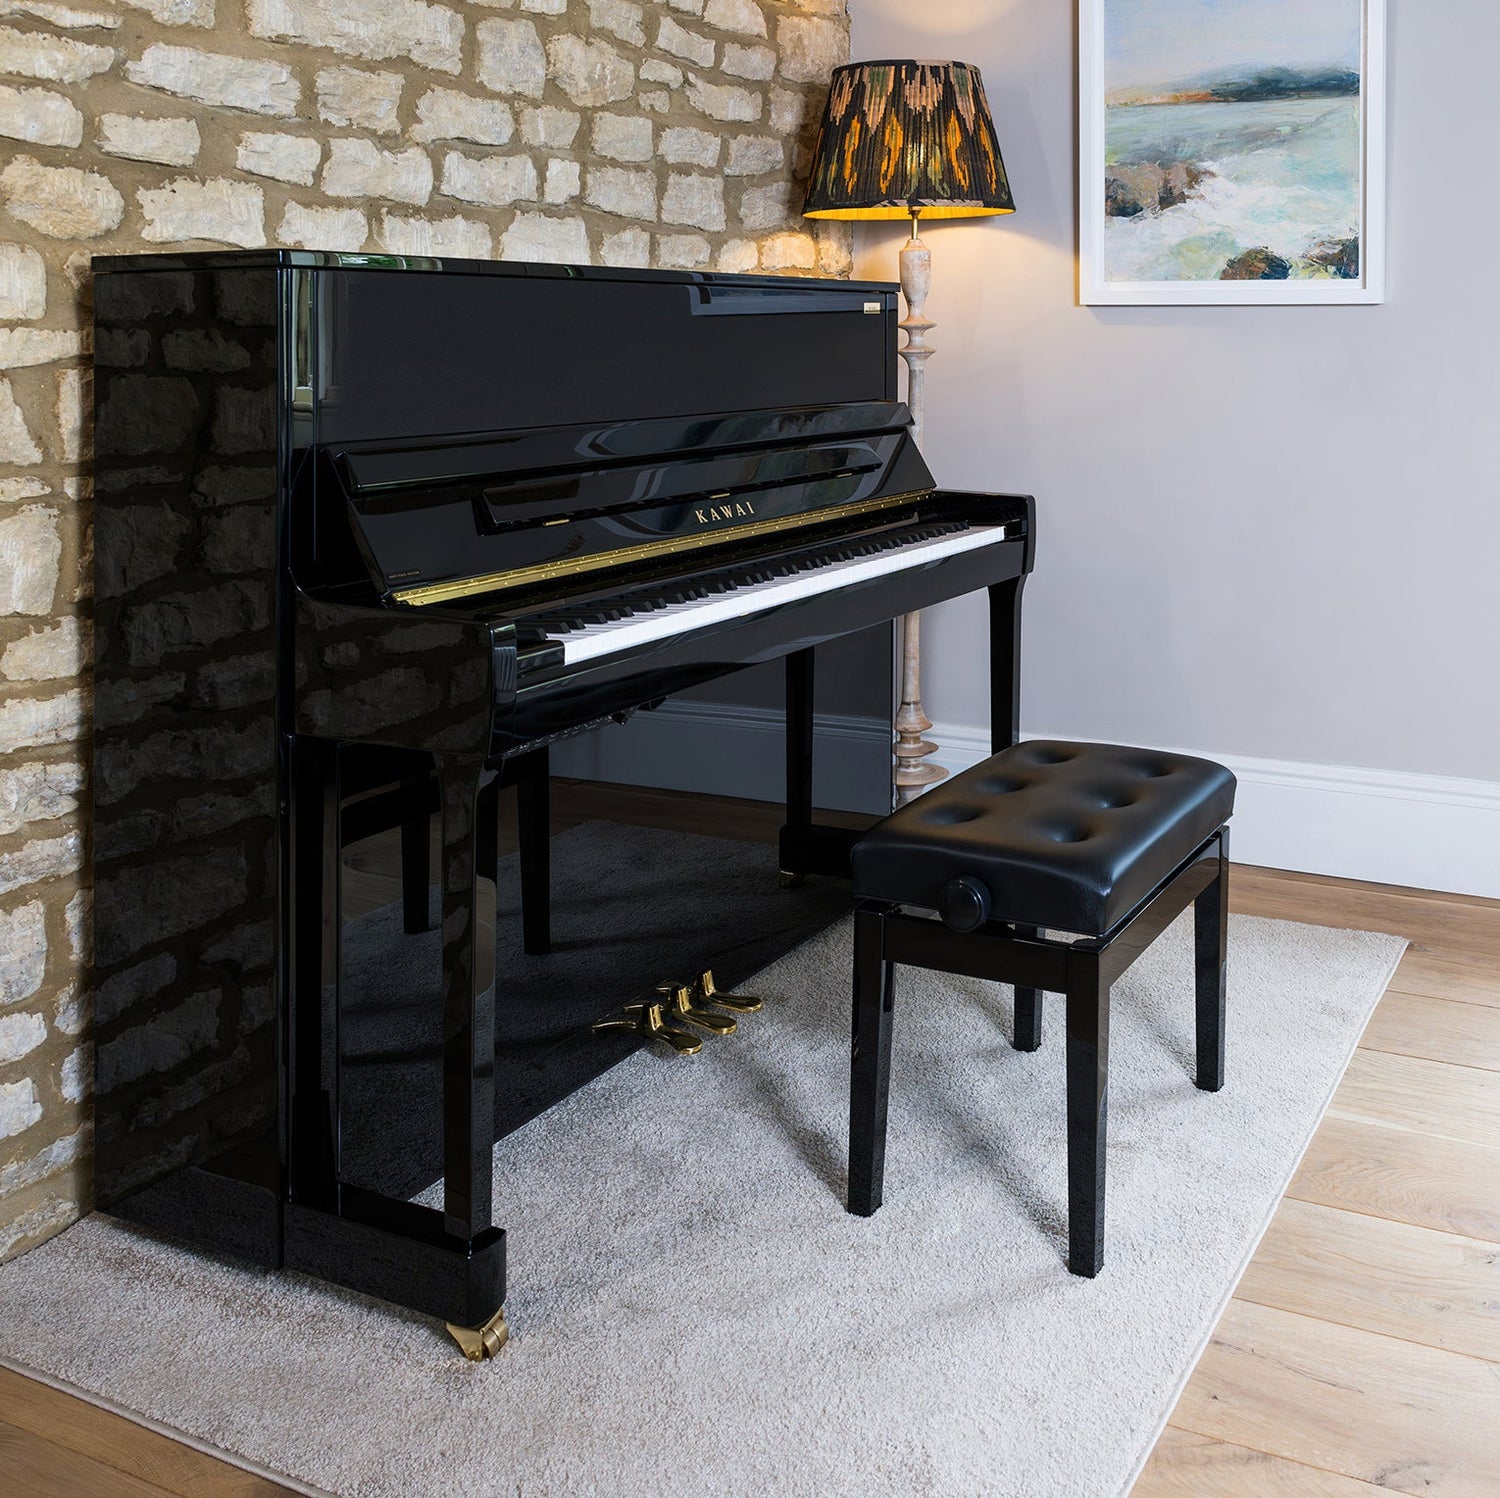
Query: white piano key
{"type": "Point", "coordinates": [595, 640]}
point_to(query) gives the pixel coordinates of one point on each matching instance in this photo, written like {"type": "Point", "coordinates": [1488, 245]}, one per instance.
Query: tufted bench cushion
{"type": "Point", "coordinates": [1062, 835]}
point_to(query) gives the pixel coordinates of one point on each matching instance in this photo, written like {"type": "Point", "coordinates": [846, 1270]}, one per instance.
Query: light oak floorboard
{"type": "Point", "coordinates": [1402, 1176]}
{"type": "Point", "coordinates": [1187, 1465]}
{"type": "Point", "coordinates": [155, 1462]}
{"type": "Point", "coordinates": [1388, 1277]}
{"type": "Point", "coordinates": [1395, 1414]}
{"type": "Point", "coordinates": [31, 1467]}
{"type": "Point", "coordinates": [1436, 1029]}
{"type": "Point", "coordinates": [1428, 1097]}
{"type": "Point", "coordinates": [1445, 974]}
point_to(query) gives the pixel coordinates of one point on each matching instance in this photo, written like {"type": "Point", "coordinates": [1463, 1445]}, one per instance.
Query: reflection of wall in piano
{"type": "Point", "coordinates": [654, 136]}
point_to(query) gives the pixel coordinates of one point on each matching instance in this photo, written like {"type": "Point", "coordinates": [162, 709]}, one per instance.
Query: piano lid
{"type": "Point", "coordinates": [442, 520]}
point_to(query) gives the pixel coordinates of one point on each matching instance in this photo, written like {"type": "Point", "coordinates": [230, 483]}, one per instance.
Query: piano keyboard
{"type": "Point", "coordinates": [634, 620]}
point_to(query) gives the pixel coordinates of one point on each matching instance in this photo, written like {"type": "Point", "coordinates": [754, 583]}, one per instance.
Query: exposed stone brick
{"type": "Point", "coordinates": [222, 210]}
{"type": "Point", "coordinates": [627, 248]}
{"type": "Point", "coordinates": [466, 238]}
{"type": "Point", "coordinates": [20, 1035]}
{"type": "Point", "coordinates": [550, 126]}
{"type": "Point", "coordinates": [748, 62]}
{"type": "Point", "coordinates": [589, 72]}
{"type": "Point", "coordinates": [683, 144]}
{"type": "Point", "coordinates": [49, 654]}
{"type": "Point", "coordinates": [754, 155]}
{"type": "Point", "coordinates": [511, 58]}
{"type": "Point", "coordinates": [75, 395]}
{"type": "Point", "coordinates": [789, 252]}
{"type": "Point", "coordinates": [43, 859]}
{"type": "Point", "coordinates": [39, 116]}
{"type": "Point", "coordinates": [535, 236]}
{"type": "Point", "coordinates": [173, 142]}
{"type": "Point", "coordinates": [19, 1108]}
{"type": "Point", "coordinates": [33, 54]}
{"type": "Point", "coordinates": [22, 347]}
{"type": "Point", "coordinates": [695, 200]}
{"type": "Point", "coordinates": [23, 947]}
{"type": "Point", "coordinates": [445, 114]}
{"type": "Point", "coordinates": [766, 207]}
{"type": "Point", "coordinates": [23, 282]}
{"type": "Point", "coordinates": [360, 169]}
{"type": "Point", "coordinates": [809, 47]}
{"type": "Point", "coordinates": [30, 550]}
{"type": "Point", "coordinates": [351, 96]}
{"type": "Point", "coordinates": [680, 42]}
{"type": "Point", "coordinates": [623, 19]}
{"type": "Point", "coordinates": [735, 15]}
{"type": "Point", "coordinates": [654, 70]}
{"type": "Point", "coordinates": [632, 194]}
{"type": "Point", "coordinates": [564, 181]}
{"type": "Point", "coordinates": [657, 100]}
{"type": "Point", "coordinates": [287, 158]}
{"type": "Point", "coordinates": [738, 255]}
{"type": "Point", "coordinates": [430, 35]}
{"type": "Point", "coordinates": [497, 181]}
{"type": "Point", "coordinates": [64, 202]}
{"type": "Point", "coordinates": [177, 12]}
{"type": "Point", "coordinates": [622, 137]}
{"type": "Point", "coordinates": [545, 7]}
{"type": "Point", "coordinates": [38, 793]}
{"type": "Point", "coordinates": [724, 101]}
{"type": "Point", "coordinates": [212, 78]}
{"type": "Point", "coordinates": [34, 722]}
{"type": "Point", "coordinates": [323, 228]}
{"type": "Point", "coordinates": [65, 17]}
{"type": "Point", "coordinates": [683, 251]}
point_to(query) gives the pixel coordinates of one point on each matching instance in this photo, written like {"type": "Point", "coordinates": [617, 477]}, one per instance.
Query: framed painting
{"type": "Point", "coordinates": [1231, 151]}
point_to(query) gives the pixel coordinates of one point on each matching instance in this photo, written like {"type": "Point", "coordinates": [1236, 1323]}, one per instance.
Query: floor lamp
{"type": "Point", "coordinates": [899, 140]}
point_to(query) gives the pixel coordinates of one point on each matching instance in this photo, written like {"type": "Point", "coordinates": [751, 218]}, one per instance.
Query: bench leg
{"type": "Point", "coordinates": [1210, 930]}
{"type": "Point", "coordinates": [870, 1063]}
{"type": "Point", "coordinates": [1028, 1016]}
{"type": "Point", "coordinates": [1088, 1081]}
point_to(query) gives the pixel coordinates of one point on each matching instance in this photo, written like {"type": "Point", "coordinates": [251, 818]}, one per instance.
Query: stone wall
{"type": "Point", "coordinates": [665, 132]}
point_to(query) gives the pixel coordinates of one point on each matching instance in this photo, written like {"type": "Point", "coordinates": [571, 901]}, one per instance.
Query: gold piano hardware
{"type": "Point", "coordinates": [480, 1342]}
{"type": "Point", "coordinates": [872, 306]}
{"type": "Point", "coordinates": [647, 1020]}
{"type": "Point", "coordinates": [705, 993]}
{"type": "Point", "coordinates": [467, 587]}
{"type": "Point", "coordinates": [681, 1006]}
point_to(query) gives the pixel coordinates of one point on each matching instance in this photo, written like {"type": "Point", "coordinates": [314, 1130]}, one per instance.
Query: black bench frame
{"type": "Point", "coordinates": [1083, 971]}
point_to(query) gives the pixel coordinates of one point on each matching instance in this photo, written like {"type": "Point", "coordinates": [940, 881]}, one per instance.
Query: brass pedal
{"type": "Point", "coordinates": [704, 992]}
{"type": "Point", "coordinates": [682, 1007]}
{"type": "Point", "coordinates": [648, 1020]}
{"type": "Point", "coordinates": [480, 1342]}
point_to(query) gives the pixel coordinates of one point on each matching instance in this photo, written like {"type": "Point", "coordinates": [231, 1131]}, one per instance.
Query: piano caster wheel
{"type": "Point", "coordinates": [647, 1020]}
{"type": "Point", "coordinates": [704, 992]}
{"type": "Point", "coordinates": [681, 1006]}
{"type": "Point", "coordinates": [788, 880]}
{"type": "Point", "coordinates": [481, 1342]}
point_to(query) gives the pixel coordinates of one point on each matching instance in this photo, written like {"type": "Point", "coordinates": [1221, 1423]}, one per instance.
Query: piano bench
{"type": "Point", "coordinates": [1102, 841]}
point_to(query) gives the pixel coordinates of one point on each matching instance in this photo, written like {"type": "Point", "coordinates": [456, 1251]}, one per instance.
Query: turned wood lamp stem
{"type": "Point", "coordinates": [913, 771]}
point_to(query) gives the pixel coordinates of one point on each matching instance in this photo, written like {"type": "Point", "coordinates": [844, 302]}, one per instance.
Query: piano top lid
{"type": "Point", "coordinates": [214, 260]}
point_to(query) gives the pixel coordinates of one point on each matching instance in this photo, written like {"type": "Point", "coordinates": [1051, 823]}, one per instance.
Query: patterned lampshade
{"type": "Point", "coordinates": [905, 137]}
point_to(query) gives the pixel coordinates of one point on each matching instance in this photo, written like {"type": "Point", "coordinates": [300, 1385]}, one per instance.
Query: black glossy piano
{"type": "Point", "coordinates": [381, 543]}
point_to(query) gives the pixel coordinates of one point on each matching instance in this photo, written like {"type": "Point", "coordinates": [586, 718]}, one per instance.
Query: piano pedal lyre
{"type": "Point", "coordinates": [704, 992]}
{"type": "Point", "coordinates": [680, 1004]}
{"type": "Point", "coordinates": [480, 1342]}
{"type": "Point", "coordinates": [649, 1020]}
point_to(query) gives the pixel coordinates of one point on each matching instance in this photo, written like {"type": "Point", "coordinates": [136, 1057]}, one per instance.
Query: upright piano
{"type": "Point", "coordinates": [378, 539]}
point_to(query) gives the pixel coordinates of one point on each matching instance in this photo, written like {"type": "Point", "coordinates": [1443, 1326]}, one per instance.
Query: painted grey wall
{"type": "Point", "coordinates": [1269, 532]}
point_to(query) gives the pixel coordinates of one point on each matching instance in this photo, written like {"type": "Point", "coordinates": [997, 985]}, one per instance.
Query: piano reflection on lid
{"type": "Point", "coordinates": [357, 572]}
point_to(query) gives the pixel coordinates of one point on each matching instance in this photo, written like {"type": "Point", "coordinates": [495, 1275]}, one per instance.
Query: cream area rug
{"type": "Point", "coordinates": [693, 1311]}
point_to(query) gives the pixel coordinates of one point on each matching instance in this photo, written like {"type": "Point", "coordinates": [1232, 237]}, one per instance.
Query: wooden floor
{"type": "Point", "coordinates": [1361, 1352]}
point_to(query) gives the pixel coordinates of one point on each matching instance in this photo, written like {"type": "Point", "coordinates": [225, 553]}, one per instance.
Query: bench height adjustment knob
{"type": "Point", "coordinates": [964, 904]}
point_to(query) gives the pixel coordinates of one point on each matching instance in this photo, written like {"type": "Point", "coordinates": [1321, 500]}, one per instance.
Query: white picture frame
{"type": "Point", "coordinates": [1103, 263]}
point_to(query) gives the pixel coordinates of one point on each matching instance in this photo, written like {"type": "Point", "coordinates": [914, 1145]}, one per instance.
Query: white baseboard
{"type": "Point", "coordinates": [1386, 826]}
{"type": "Point", "coordinates": [1422, 831]}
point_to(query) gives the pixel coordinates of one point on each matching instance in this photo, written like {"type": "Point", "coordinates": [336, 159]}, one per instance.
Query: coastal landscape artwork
{"type": "Point", "coordinates": [1231, 151]}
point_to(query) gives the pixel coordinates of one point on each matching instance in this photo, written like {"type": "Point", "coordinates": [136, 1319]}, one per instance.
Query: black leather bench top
{"type": "Point", "coordinates": [1063, 835]}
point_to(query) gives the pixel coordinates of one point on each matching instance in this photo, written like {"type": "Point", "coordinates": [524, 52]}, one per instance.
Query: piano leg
{"type": "Point", "coordinates": [799, 767]}
{"type": "Point", "coordinates": [416, 854]}
{"type": "Point", "coordinates": [1005, 663]}
{"type": "Point", "coordinates": [449, 1263]}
